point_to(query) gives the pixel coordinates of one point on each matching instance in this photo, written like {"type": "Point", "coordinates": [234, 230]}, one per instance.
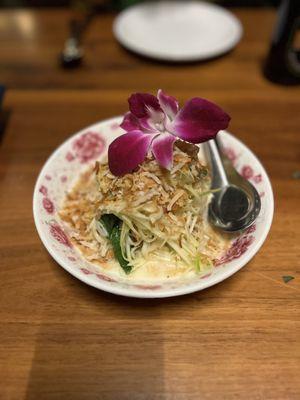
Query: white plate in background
{"type": "Point", "coordinates": [177, 31]}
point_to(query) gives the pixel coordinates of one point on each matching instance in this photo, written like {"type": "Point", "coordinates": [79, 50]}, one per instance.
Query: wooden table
{"type": "Point", "coordinates": [60, 339]}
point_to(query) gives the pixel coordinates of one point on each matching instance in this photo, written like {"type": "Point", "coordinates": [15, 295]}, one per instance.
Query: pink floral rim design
{"type": "Point", "coordinates": [91, 144]}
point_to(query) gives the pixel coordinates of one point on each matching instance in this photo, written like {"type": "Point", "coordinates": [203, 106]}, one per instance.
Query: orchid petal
{"type": "Point", "coordinates": [146, 108]}
{"type": "Point", "coordinates": [130, 123]}
{"type": "Point", "coordinates": [127, 151]}
{"type": "Point", "coordinates": [148, 125]}
{"type": "Point", "coordinates": [168, 104]}
{"type": "Point", "coordinates": [162, 149]}
{"type": "Point", "coordinates": [141, 103]}
{"type": "Point", "coordinates": [199, 120]}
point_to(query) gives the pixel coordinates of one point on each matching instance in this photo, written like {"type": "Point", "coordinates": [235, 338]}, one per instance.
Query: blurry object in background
{"type": "Point", "coordinates": [72, 53]}
{"type": "Point", "coordinates": [125, 3]}
{"type": "Point", "coordinates": [296, 175]}
{"type": "Point", "coordinates": [71, 56]}
{"type": "Point", "coordinates": [120, 4]}
{"type": "Point", "coordinates": [179, 31]}
{"type": "Point", "coordinates": [283, 62]}
{"type": "Point", "coordinates": [83, 12]}
{"type": "Point", "coordinates": [2, 90]}
{"type": "Point", "coordinates": [248, 3]}
{"type": "Point", "coordinates": [3, 115]}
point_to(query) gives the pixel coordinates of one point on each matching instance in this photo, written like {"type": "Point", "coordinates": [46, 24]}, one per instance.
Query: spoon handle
{"type": "Point", "coordinates": [219, 176]}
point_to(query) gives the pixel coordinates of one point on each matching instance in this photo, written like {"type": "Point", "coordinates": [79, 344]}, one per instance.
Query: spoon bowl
{"type": "Point", "coordinates": [236, 203]}
{"type": "Point", "coordinates": [232, 209]}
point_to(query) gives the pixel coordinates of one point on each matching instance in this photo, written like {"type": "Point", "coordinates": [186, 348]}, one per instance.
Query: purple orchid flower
{"type": "Point", "coordinates": [155, 123]}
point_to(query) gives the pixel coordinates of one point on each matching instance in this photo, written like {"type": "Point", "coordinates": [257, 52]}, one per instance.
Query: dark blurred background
{"type": "Point", "coordinates": [124, 3]}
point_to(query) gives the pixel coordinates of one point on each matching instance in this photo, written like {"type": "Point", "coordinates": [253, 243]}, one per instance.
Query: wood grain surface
{"type": "Point", "coordinates": [60, 339]}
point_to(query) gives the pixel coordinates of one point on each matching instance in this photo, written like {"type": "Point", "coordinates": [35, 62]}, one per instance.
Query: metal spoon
{"type": "Point", "coordinates": [236, 203]}
{"type": "Point", "coordinates": [71, 56]}
{"type": "Point", "coordinates": [83, 13]}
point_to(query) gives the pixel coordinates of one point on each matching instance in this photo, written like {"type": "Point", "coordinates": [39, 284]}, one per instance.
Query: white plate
{"type": "Point", "coordinates": [80, 151]}
{"type": "Point", "coordinates": [179, 31]}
